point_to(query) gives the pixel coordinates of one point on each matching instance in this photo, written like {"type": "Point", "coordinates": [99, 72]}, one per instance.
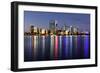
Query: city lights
{"type": "Point", "coordinates": [54, 30]}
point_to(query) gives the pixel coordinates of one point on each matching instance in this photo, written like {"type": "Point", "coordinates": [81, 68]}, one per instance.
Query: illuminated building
{"type": "Point", "coordinates": [65, 27]}
{"type": "Point", "coordinates": [73, 30]}
{"type": "Point", "coordinates": [43, 31]}
{"type": "Point", "coordinates": [65, 30]}
{"type": "Point", "coordinates": [53, 26]}
{"type": "Point", "coordinates": [34, 30]}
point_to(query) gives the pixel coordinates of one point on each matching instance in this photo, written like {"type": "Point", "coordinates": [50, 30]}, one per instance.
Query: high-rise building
{"type": "Point", "coordinates": [53, 26]}
{"type": "Point", "coordinates": [73, 30]}
{"type": "Point", "coordinates": [32, 29]}
{"type": "Point", "coordinates": [65, 27]}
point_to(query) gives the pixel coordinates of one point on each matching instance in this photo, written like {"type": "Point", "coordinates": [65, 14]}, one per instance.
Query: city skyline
{"type": "Point", "coordinates": [56, 36]}
{"type": "Point", "coordinates": [42, 19]}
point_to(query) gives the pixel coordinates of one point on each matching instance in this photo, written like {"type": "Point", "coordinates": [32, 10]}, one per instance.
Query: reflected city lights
{"type": "Point", "coordinates": [41, 48]}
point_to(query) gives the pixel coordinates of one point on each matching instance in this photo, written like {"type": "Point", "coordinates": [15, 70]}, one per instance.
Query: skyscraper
{"type": "Point", "coordinates": [71, 30]}
{"type": "Point", "coordinates": [53, 26]}
{"type": "Point", "coordinates": [32, 29]}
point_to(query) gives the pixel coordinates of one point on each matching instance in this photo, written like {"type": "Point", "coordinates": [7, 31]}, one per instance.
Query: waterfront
{"type": "Point", "coordinates": [54, 47]}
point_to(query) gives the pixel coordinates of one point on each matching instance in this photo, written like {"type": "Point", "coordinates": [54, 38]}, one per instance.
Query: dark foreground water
{"type": "Point", "coordinates": [42, 48]}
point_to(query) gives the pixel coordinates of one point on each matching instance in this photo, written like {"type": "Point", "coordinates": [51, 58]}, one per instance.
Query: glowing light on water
{"type": "Point", "coordinates": [38, 48]}
{"type": "Point", "coordinates": [56, 47]}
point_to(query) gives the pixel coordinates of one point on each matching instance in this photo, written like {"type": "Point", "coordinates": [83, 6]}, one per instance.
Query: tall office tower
{"type": "Point", "coordinates": [32, 29]}
{"type": "Point", "coordinates": [75, 29]}
{"type": "Point", "coordinates": [65, 27]}
{"type": "Point", "coordinates": [71, 30]}
{"type": "Point", "coordinates": [53, 26]}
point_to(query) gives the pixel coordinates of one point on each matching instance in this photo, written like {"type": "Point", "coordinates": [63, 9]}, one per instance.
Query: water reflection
{"type": "Point", "coordinates": [40, 48]}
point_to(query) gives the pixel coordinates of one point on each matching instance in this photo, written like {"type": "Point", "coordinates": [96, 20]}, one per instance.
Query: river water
{"type": "Point", "coordinates": [43, 48]}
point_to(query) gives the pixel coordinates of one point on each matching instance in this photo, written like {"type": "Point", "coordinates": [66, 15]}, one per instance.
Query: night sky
{"type": "Point", "coordinates": [42, 19]}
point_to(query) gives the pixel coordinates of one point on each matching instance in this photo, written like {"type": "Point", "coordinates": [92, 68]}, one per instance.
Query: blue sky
{"type": "Point", "coordinates": [42, 19]}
